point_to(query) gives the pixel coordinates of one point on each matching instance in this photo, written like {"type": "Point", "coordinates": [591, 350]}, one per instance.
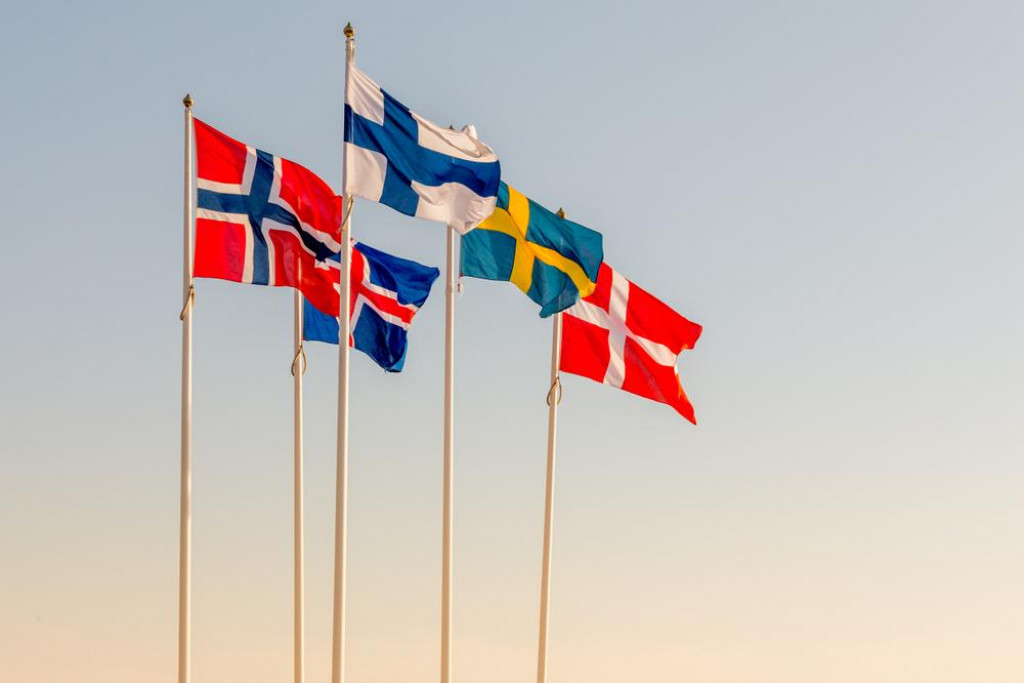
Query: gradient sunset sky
{"type": "Point", "coordinates": [834, 190]}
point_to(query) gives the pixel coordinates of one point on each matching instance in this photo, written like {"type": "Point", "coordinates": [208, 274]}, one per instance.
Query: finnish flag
{"type": "Point", "coordinates": [398, 158]}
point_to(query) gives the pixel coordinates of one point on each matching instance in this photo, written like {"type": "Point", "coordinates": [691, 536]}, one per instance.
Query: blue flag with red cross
{"type": "Point", "coordinates": [386, 292]}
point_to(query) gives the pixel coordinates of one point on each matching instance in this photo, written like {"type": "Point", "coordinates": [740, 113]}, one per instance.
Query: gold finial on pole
{"type": "Point", "coordinates": [350, 32]}
{"type": "Point", "coordinates": [187, 101]}
{"type": "Point", "coordinates": [561, 212]}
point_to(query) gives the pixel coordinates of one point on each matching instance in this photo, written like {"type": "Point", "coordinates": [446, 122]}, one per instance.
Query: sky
{"type": "Point", "coordinates": [833, 190]}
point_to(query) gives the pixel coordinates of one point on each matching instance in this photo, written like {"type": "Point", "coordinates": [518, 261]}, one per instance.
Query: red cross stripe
{"type": "Point", "coordinates": [365, 292]}
{"type": "Point", "coordinates": [622, 336]}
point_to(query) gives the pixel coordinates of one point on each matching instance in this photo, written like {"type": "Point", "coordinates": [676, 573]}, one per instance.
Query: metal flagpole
{"type": "Point", "coordinates": [298, 368]}
{"type": "Point", "coordinates": [554, 398]}
{"type": "Point", "coordinates": [449, 424]}
{"type": "Point", "coordinates": [344, 332]}
{"type": "Point", "coordinates": [185, 528]}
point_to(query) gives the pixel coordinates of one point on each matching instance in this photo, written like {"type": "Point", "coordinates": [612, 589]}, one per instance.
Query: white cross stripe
{"type": "Point", "coordinates": [234, 188]}
{"type": "Point", "coordinates": [363, 301]}
{"type": "Point", "coordinates": [383, 291]}
{"type": "Point", "coordinates": [250, 238]}
{"type": "Point", "coordinates": [250, 169]}
{"type": "Point", "coordinates": [618, 299]}
{"type": "Point", "coordinates": [614, 320]}
{"type": "Point", "coordinates": [221, 216]}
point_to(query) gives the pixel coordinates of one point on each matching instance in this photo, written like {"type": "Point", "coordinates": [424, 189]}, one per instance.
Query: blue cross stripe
{"type": "Point", "coordinates": [397, 141]}
{"type": "Point", "coordinates": [256, 205]}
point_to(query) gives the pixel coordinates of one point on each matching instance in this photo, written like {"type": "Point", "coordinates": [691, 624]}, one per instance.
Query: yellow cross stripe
{"type": "Point", "coordinates": [514, 223]}
{"type": "Point", "coordinates": [567, 266]}
{"type": "Point", "coordinates": [522, 266]}
{"type": "Point", "coordinates": [519, 209]}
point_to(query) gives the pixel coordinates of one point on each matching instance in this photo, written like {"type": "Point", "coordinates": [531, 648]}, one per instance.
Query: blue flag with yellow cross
{"type": "Point", "coordinates": [551, 259]}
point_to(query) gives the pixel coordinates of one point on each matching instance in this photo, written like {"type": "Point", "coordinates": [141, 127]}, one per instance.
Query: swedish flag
{"type": "Point", "coordinates": [552, 260]}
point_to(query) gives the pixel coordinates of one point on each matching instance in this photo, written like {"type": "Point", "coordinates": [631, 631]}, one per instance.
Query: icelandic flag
{"type": "Point", "coordinates": [386, 291]}
{"type": "Point", "coordinates": [264, 220]}
{"type": "Point", "coordinates": [398, 158]}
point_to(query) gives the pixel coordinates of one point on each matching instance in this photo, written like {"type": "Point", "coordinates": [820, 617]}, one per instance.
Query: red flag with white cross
{"type": "Point", "coordinates": [264, 220]}
{"type": "Point", "coordinates": [623, 336]}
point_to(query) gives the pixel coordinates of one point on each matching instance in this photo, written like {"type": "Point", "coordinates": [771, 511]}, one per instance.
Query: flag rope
{"type": "Point", "coordinates": [300, 353]}
{"type": "Point", "coordinates": [347, 209]}
{"type": "Point", "coordinates": [555, 390]}
{"type": "Point", "coordinates": [188, 302]}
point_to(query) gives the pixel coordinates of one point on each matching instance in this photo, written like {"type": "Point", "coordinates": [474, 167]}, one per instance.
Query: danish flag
{"type": "Point", "coordinates": [621, 335]}
{"type": "Point", "coordinates": [264, 220]}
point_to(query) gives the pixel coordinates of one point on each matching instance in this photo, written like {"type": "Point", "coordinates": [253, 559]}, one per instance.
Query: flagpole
{"type": "Point", "coordinates": [449, 426]}
{"type": "Point", "coordinates": [344, 332]}
{"type": "Point", "coordinates": [185, 501]}
{"type": "Point", "coordinates": [554, 398]}
{"type": "Point", "coordinates": [298, 368]}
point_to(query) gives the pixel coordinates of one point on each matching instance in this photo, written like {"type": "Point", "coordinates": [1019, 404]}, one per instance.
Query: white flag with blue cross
{"type": "Point", "coordinates": [398, 158]}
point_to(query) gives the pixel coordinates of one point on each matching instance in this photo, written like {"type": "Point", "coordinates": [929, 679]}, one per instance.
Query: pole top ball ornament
{"type": "Point", "coordinates": [187, 101]}
{"type": "Point", "coordinates": [349, 32]}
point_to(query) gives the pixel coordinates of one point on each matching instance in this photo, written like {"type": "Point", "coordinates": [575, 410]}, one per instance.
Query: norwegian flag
{"type": "Point", "coordinates": [264, 220]}
{"type": "Point", "coordinates": [622, 336]}
{"type": "Point", "coordinates": [386, 293]}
